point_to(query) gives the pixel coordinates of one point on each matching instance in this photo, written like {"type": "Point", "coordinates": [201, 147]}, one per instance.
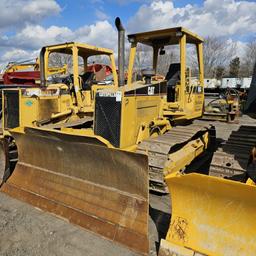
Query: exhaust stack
{"type": "Point", "coordinates": [42, 67]}
{"type": "Point", "coordinates": [121, 45]}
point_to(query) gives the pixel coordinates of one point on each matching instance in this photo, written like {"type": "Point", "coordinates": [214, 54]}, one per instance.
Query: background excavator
{"type": "Point", "coordinates": [215, 214]}
{"type": "Point", "coordinates": [96, 174]}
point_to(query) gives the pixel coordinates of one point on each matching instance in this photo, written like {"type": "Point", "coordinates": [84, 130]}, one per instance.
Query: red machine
{"type": "Point", "coordinates": [21, 73]}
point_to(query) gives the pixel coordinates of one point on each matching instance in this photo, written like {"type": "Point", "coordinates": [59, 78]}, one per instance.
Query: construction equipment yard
{"type": "Point", "coordinates": [28, 231]}
{"type": "Point", "coordinates": [121, 160]}
{"type": "Point", "coordinates": [127, 128]}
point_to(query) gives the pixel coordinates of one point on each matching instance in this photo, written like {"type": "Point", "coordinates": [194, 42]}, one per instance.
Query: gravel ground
{"type": "Point", "coordinates": [27, 231]}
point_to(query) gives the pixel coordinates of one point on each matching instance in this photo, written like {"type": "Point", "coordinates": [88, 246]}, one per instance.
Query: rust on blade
{"type": "Point", "coordinates": [103, 190]}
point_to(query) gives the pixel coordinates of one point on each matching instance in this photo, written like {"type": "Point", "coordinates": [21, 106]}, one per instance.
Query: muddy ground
{"type": "Point", "coordinates": [27, 231]}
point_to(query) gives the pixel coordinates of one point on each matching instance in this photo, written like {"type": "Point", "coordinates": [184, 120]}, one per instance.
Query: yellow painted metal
{"type": "Point", "coordinates": [57, 70]}
{"type": "Point", "coordinates": [138, 112]}
{"type": "Point", "coordinates": [113, 65]}
{"type": "Point", "coordinates": [183, 157]}
{"type": "Point", "coordinates": [13, 67]}
{"type": "Point", "coordinates": [182, 86]}
{"type": "Point", "coordinates": [76, 76]}
{"type": "Point", "coordinates": [85, 49]}
{"type": "Point", "coordinates": [211, 215]}
{"type": "Point", "coordinates": [46, 62]}
{"type": "Point", "coordinates": [200, 58]}
{"type": "Point", "coordinates": [170, 36]}
{"type": "Point", "coordinates": [131, 63]}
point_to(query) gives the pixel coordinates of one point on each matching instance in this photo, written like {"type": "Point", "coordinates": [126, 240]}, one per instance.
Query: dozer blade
{"type": "Point", "coordinates": [101, 189]}
{"type": "Point", "coordinates": [2, 160]}
{"type": "Point", "coordinates": [210, 215]}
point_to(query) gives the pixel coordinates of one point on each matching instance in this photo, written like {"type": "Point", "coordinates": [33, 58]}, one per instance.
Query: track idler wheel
{"type": "Point", "coordinates": [8, 158]}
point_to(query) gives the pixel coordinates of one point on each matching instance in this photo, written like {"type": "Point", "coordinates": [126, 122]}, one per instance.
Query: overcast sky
{"type": "Point", "coordinates": [27, 25]}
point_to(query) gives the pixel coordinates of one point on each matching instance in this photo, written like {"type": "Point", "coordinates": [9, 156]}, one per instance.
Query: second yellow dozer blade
{"type": "Point", "coordinates": [210, 215]}
{"type": "Point", "coordinates": [101, 189]}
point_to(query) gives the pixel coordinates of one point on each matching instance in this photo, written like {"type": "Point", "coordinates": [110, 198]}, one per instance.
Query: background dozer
{"type": "Point", "coordinates": [60, 95]}
{"type": "Point", "coordinates": [97, 177]}
{"type": "Point", "coordinates": [63, 97]}
{"type": "Point", "coordinates": [215, 214]}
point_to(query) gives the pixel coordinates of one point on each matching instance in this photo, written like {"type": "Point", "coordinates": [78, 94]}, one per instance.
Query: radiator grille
{"type": "Point", "coordinates": [108, 119]}
{"type": "Point", "coordinates": [11, 108]}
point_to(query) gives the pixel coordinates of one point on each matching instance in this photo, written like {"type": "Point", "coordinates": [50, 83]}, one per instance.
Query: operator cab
{"type": "Point", "coordinates": [79, 62]}
{"type": "Point", "coordinates": [175, 79]}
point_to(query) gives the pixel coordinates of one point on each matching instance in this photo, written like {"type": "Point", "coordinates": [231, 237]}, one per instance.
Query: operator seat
{"type": "Point", "coordinates": [87, 80]}
{"type": "Point", "coordinates": [172, 77]}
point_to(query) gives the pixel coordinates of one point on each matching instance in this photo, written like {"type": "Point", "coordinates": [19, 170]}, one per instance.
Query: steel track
{"type": "Point", "coordinates": [233, 157]}
{"type": "Point", "coordinates": [159, 149]}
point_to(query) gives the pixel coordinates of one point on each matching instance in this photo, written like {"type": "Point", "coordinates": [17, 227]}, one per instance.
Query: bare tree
{"type": "Point", "coordinates": [219, 72]}
{"type": "Point", "coordinates": [61, 59]}
{"type": "Point", "coordinates": [164, 61]}
{"type": "Point", "coordinates": [249, 59]}
{"type": "Point", "coordinates": [218, 52]}
{"type": "Point", "coordinates": [100, 59]}
{"type": "Point", "coordinates": [234, 67]}
{"type": "Point", "coordinates": [143, 57]}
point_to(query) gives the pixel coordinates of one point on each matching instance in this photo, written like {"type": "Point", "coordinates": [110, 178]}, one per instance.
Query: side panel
{"type": "Point", "coordinates": [118, 118]}
{"type": "Point", "coordinates": [194, 102]}
{"type": "Point", "coordinates": [28, 110]}
{"type": "Point", "coordinates": [137, 111]}
{"type": "Point", "coordinates": [41, 107]}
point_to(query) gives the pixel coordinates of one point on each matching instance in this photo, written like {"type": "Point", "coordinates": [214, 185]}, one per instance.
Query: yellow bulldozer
{"type": "Point", "coordinates": [97, 174]}
{"type": "Point", "coordinates": [60, 95]}
{"type": "Point", "coordinates": [64, 96]}
{"type": "Point", "coordinates": [215, 214]}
